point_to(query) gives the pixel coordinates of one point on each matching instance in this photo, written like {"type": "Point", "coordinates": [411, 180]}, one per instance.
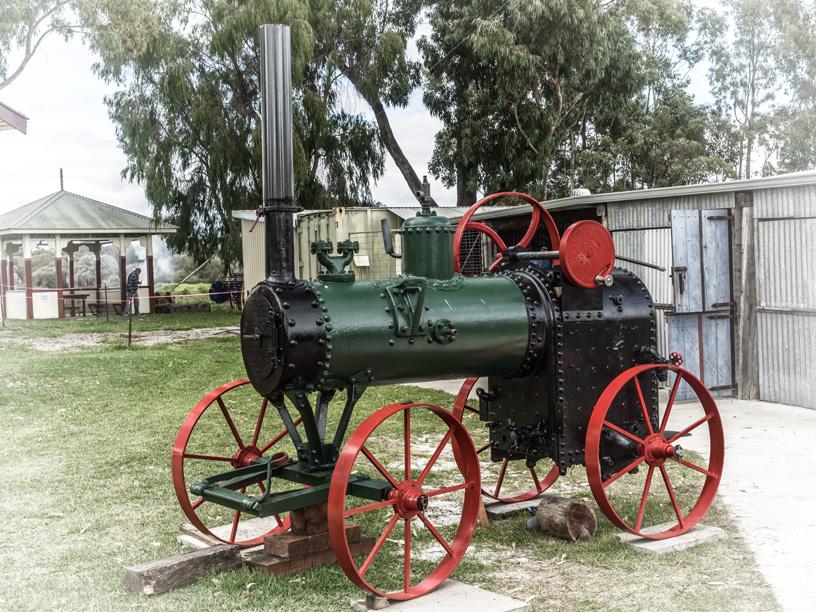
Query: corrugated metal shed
{"type": "Point", "coordinates": [64, 211]}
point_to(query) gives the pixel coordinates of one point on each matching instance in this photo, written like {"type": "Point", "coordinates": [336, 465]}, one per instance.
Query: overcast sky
{"type": "Point", "coordinates": [69, 128]}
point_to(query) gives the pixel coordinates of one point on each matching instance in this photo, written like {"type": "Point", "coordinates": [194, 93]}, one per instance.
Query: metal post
{"type": "Point", "coordinates": [130, 320]}
{"type": "Point", "coordinates": [278, 171]}
{"type": "Point", "coordinates": [107, 313]}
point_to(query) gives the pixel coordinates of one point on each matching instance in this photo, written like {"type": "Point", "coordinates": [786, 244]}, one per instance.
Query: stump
{"type": "Point", "coordinates": [563, 518]}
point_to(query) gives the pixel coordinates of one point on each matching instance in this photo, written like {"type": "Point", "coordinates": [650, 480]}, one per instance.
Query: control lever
{"type": "Point", "coordinates": [388, 243]}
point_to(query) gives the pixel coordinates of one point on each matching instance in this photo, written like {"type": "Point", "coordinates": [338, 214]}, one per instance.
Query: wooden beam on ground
{"type": "Point", "coordinates": [180, 570]}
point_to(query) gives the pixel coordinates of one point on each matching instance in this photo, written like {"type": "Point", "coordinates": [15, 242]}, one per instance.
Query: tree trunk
{"type": "Point", "coordinates": [563, 518]}
{"type": "Point", "coordinates": [388, 138]}
{"type": "Point", "coordinates": [464, 195]}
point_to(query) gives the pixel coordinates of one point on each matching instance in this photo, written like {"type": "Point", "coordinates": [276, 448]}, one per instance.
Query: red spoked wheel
{"type": "Point", "coordinates": [539, 212]}
{"type": "Point", "coordinates": [227, 429]}
{"type": "Point", "coordinates": [442, 496]}
{"type": "Point", "coordinates": [659, 449]}
{"type": "Point", "coordinates": [514, 482]}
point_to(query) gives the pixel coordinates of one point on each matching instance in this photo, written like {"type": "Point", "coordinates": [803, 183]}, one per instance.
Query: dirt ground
{"type": "Point", "coordinates": [145, 338]}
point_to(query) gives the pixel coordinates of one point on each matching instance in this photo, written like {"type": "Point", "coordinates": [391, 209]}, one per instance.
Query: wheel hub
{"type": "Point", "coordinates": [245, 456]}
{"type": "Point", "coordinates": [657, 449]}
{"type": "Point", "coordinates": [411, 500]}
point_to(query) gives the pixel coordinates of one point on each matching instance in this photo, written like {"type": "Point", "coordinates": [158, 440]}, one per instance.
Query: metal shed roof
{"type": "Point", "coordinates": [65, 211]}
{"type": "Point", "coordinates": [11, 119]}
{"type": "Point", "coordinates": [792, 179]}
{"type": "Point", "coordinates": [403, 212]}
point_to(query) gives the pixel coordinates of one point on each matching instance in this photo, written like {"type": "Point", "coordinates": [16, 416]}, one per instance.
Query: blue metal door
{"type": "Point", "coordinates": [701, 325]}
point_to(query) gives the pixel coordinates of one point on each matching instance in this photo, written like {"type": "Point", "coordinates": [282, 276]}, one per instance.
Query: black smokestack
{"type": "Point", "coordinates": [278, 171]}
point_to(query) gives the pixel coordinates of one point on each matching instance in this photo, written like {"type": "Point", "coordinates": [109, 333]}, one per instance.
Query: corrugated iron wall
{"type": "Point", "coordinates": [648, 214]}
{"type": "Point", "coordinates": [785, 225]}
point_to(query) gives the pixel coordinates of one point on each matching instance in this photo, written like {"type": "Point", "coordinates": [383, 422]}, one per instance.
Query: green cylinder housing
{"type": "Point", "coordinates": [427, 245]}
{"type": "Point", "coordinates": [410, 329]}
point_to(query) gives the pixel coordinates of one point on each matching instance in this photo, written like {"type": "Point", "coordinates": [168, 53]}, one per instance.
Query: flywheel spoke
{"type": "Point", "coordinates": [380, 467]}
{"type": "Point", "coordinates": [427, 469]}
{"type": "Point", "coordinates": [230, 423]}
{"type": "Point", "coordinates": [368, 507]}
{"type": "Point", "coordinates": [675, 387]}
{"type": "Point", "coordinates": [257, 432]}
{"type": "Point", "coordinates": [206, 457]}
{"type": "Point", "coordinates": [499, 483]}
{"type": "Point", "coordinates": [435, 533]}
{"type": "Point", "coordinates": [690, 428]}
{"type": "Point", "coordinates": [694, 466]}
{"type": "Point", "coordinates": [672, 496]}
{"type": "Point", "coordinates": [643, 406]}
{"type": "Point", "coordinates": [406, 431]}
{"type": "Point", "coordinates": [644, 499]}
{"type": "Point", "coordinates": [446, 490]}
{"type": "Point", "coordinates": [623, 432]}
{"type": "Point", "coordinates": [624, 471]}
{"type": "Point", "coordinates": [406, 575]}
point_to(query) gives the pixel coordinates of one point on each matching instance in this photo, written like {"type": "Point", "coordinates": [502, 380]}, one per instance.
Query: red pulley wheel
{"type": "Point", "coordinates": [586, 253]}
{"type": "Point", "coordinates": [656, 448]}
{"type": "Point", "coordinates": [445, 504]}
{"type": "Point", "coordinates": [510, 485]}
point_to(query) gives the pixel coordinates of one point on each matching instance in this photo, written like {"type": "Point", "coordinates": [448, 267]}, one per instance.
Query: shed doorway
{"type": "Point", "coordinates": [701, 326]}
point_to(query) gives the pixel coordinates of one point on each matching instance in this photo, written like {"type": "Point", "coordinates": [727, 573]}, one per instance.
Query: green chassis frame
{"type": "Point", "coordinates": [314, 468]}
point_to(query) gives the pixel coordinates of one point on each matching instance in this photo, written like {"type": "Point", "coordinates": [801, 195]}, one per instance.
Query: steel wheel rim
{"type": "Point", "coordinates": [180, 453]}
{"type": "Point", "coordinates": [539, 484]}
{"type": "Point", "coordinates": [337, 512]}
{"type": "Point", "coordinates": [713, 472]}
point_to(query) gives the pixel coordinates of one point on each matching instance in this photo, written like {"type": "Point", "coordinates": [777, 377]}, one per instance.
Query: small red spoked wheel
{"type": "Point", "coordinates": [211, 441]}
{"type": "Point", "coordinates": [511, 482]}
{"type": "Point", "coordinates": [444, 501]}
{"type": "Point", "coordinates": [659, 449]}
{"type": "Point", "coordinates": [539, 212]}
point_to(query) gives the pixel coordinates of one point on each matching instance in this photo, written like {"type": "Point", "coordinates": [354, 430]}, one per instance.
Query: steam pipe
{"type": "Point", "coordinates": [278, 177]}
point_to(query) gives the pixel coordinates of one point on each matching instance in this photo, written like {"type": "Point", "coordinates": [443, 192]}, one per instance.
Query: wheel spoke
{"type": "Point", "coordinates": [644, 498]}
{"type": "Point", "coordinates": [262, 486]}
{"type": "Point", "coordinates": [406, 433]}
{"type": "Point", "coordinates": [625, 470]}
{"type": "Point", "coordinates": [369, 507]}
{"type": "Point", "coordinates": [278, 520]}
{"type": "Point", "coordinates": [234, 529]}
{"type": "Point", "coordinates": [694, 425]}
{"type": "Point", "coordinates": [406, 574]}
{"type": "Point", "coordinates": [643, 406]}
{"type": "Point", "coordinates": [694, 466]}
{"type": "Point", "coordinates": [228, 418]}
{"type": "Point", "coordinates": [375, 550]}
{"type": "Point", "coordinates": [435, 533]}
{"type": "Point", "coordinates": [669, 488]}
{"type": "Point", "coordinates": [258, 424]}
{"type": "Point", "coordinates": [380, 467]}
{"type": "Point", "coordinates": [482, 449]}
{"type": "Point", "coordinates": [675, 387]}
{"type": "Point", "coordinates": [207, 457]}
{"type": "Point", "coordinates": [281, 435]}
{"type": "Point", "coordinates": [197, 504]}
{"type": "Point", "coordinates": [502, 472]}
{"type": "Point", "coordinates": [622, 432]}
{"type": "Point", "coordinates": [445, 490]}
{"type": "Point", "coordinates": [535, 479]}
{"type": "Point", "coordinates": [424, 474]}
{"type": "Point", "coordinates": [471, 409]}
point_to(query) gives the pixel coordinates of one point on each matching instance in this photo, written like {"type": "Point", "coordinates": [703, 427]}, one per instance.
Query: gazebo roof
{"type": "Point", "coordinates": [64, 211]}
{"type": "Point", "coordinates": [11, 119]}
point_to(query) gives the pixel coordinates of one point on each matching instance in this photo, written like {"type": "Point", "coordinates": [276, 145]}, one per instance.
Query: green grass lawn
{"type": "Point", "coordinates": [87, 491]}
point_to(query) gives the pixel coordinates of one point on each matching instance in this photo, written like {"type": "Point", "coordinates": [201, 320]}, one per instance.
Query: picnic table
{"type": "Point", "coordinates": [73, 298]}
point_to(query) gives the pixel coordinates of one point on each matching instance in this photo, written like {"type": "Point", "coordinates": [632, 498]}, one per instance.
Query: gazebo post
{"type": "Point", "coordinates": [3, 275]}
{"type": "Point", "coordinates": [11, 251]}
{"type": "Point", "coordinates": [96, 249]}
{"type": "Point", "coordinates": [70, 249]}
{"type": "Point", "coordinates": [29, 277]}
{"type": "Point", "coordinates": [58, 267]}
{"type": "Point", "coordinates": [151, 285]}
{"type": "Point", "coordinates": [122, 270]}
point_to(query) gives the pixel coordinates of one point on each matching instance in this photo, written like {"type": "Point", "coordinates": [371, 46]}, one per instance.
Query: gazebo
{"type": "Point", "coordinates": [67, 221]}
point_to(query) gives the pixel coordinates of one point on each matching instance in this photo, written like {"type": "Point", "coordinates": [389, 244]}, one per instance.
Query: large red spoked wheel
{"type": "Point", "coordinates": [444, 501]}
{"type": "Point", "coordinates": [225, 430]}
{"type": "Point", "coordinates": [659, 449]}
{"type": "Point", "coordinates": [515, 482]}
{"type": "Point", "coordinates": [539, 212]}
